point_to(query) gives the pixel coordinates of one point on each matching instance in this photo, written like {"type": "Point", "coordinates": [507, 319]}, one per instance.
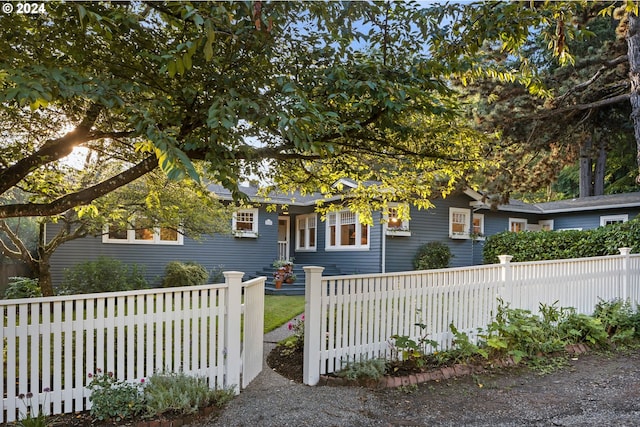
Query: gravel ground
{"type": "Point", "coordinates": [594, 390]}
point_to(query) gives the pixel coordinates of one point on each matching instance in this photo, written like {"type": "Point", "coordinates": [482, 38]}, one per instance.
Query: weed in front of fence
{"type": "Point", "coordinates": [179, 393]}
{"type": "Point", "coordinates": [161, 395]}
{"type": "Point", "coordinates": [539, 341]}
{"type": "Point", "coordinates": [112, 399]}
{"type": "Point", "coordinates": [33, 417]}
{"type": "Point", "coordinates": [366, 369]}
{"type": "Point", "coordinates": [294, 343]}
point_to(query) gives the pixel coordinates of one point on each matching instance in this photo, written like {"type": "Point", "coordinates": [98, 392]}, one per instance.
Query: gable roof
{"type": "Point", "coordinates": [609, 201]}
{"type": "Point", "coordinates": [593, 203]}
{"type": "Point", "coordinates": [277, 198]}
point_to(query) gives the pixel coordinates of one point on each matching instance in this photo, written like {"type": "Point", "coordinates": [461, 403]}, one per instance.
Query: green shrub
{"type": "Point", "coordinates": [179, 393]}
{"type": "Point", "coordinates": [114, 400]}
{"type": "Point", "coordinates": [579, 328]}
{"type": "Point", "coordinates": [620, 321]}
{"type": "Point", "coordinates": [22, 287]}
{"type": "Point", "coordinates": [178, 273]}
{"type": "Point", "coordinates": [432, 255]}
{"type": "Point", "coordinates": [102, 275]}
{"type": "Point", "coordinates": [373, 369]}
{"type": "Point", "coordinates": [545, 245]}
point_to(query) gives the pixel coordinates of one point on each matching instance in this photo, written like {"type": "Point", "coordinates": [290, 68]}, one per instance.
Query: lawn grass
{"type": "Point", "coordinates": [279, 309]}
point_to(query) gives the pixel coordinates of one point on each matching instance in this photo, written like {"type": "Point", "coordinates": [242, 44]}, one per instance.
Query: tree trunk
{"type": "Point", "coordinates": [586, 175]}
{"type": "Point", "coordinates": [42, 265]}
{"type": "Point", "coordinates": [44, 277]}
{"type": "Point", "coordinates": [633, 52]}
{"type": "Point", "coordinates": [598, 176]}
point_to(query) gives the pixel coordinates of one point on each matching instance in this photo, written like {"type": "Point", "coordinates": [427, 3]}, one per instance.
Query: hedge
{"type": "Point", "coordinates": [544, 245]}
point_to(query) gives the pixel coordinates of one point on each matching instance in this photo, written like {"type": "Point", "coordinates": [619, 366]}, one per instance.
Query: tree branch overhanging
{"type": "Point", "coordinates": [51, 150]}
{"type": "Point", "coordinates": [81, 197]}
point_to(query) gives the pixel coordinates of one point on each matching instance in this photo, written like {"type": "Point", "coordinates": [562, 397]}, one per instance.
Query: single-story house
{"type": "Point", "coordinates": [339, 242]}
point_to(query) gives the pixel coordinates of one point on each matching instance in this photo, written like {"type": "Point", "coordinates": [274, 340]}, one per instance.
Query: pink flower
{"type": "Point", "coordinates": [290, 326]}
{"type": "Point", "coordinates": [110, 374]}
{"type": "Point", "coordinates": [142, 380]}
{"type": "Point", "coordinates": [302, 317]}
{"type": "Point", "coordinates": [90, 375]}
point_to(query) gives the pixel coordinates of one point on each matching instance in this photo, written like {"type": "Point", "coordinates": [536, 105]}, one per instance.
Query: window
{"type": "Point", "coordinates": [344, 231]}
{"type": "Point", "coordinates": [546, 224]}
{"type": "Point", "coordinates": [396, 226]}
{"type": "Point", "coordinates": [459, 223]}
{"type": "Point", "coordinates": [143, 231]}
{"type": "Point", "coordinates": [478, 226]}
{"type": "Point", "coordinates": [517, 224]}
{"type": "Point", "coordinates": [613, 219]}
{"type": "Point", "coordinates": [245, 223]}
{"type": "Point", "coordinates": [306, 232]}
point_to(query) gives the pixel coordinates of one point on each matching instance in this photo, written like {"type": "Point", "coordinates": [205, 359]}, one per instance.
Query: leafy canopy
{"type": "Point", "coordinates": [296, 94]}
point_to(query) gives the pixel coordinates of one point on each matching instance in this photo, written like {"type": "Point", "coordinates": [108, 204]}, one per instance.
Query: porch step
{"type": "Point", "coordinates": [296, 288]}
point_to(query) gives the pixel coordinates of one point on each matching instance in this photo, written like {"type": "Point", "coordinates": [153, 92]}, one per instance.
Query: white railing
{"type": "Point", "coordinates": [53, 343]}
{"type": "Point", "coordinates": [349, 317]}
{"type": "Point", "coordinates": [283, 250]}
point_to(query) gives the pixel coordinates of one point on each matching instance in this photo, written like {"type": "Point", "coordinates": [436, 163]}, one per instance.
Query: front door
{"type": "Point", "coordinates": [284, 234]}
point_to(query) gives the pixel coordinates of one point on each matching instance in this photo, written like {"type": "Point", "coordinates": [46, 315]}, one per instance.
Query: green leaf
{"type": "Point", "coordinates": [172, 68]}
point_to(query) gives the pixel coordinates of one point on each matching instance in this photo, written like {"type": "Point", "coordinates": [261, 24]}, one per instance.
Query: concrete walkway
{"type": "Point", "coordinates": [272, 400]}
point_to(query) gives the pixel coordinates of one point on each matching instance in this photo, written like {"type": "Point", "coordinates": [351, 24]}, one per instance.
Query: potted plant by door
{"type": "Point", "coordinates": [278, 277]}
{"type": "Point", "coordinates": [291, 278]}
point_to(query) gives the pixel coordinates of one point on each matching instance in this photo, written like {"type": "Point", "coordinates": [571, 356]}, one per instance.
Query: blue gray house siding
{"type": "Point", "coordinates": [348, 261]}
{"type": "Point", "coordinates": [220, 251]}
{"type": "Point", "coordinates": [589, 219]}
{"type": "Point", "coordinates": [388, 253]}
{"type": "Point", "coordinates": [430, 225]}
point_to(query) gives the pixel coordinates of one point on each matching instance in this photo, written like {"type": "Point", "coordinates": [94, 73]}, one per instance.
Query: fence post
{"type": "Point", "coordinates": [312, 324]}
{"type": "Point", "coordinates": [506, 290]}
{"type": "Point", "coordinates": [233, 309]}
{"type": "Point", "coordinates": [624, 252]}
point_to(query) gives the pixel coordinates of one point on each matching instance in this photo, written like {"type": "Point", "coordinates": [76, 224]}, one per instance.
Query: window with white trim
{"type": "Point", "coordinates": [395, 225]}
{"type": "Point", "coordinates": [459, 223]}
{"type": "Point", "coordinates": [478, 226]}
{"type": "Point", "coordinates": [613, 219]}
{"type": "Point", "coordinates": [517, 224]}
{"type": "Point", "coordinates": [244, 223]}
{"type": "Point", "coordinates": [143, 232]}
{"type": "Point", "coordinates": [344, 231]}
{"type": "Point", "coordinates": [546, 224]}
{"type": "Point", "coordinates": [306, 232]}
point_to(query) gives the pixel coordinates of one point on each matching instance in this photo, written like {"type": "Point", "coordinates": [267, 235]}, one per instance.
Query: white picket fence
{"type": "Point", "coordinates": [350, 317]}
{"type": "Point", "coordinates": [50, 345]}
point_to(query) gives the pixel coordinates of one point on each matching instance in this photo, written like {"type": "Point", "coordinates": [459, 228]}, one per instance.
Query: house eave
{"type": "Point", "coordinates": [591, 208]}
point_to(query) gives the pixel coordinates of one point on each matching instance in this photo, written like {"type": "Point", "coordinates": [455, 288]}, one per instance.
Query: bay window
{"type": "Point", "coordinates": [344, 231]}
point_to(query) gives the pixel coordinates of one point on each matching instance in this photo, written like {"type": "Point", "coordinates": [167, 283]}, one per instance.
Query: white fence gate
{"type": "Point", "coordinates": [54, 343]}
{"type": "Point", "coordinates": [349, 317]}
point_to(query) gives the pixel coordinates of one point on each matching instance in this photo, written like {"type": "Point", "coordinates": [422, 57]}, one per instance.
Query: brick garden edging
{"type": "Point", "coordinates": [438, 374]}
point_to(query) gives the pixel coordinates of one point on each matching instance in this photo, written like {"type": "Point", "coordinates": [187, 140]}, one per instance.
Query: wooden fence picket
{"type": "Point", "coordinates": [354, 317]}
{"type": "Point", "coordinates": [54, 343]}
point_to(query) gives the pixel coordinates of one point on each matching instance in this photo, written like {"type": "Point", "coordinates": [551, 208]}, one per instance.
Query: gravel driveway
{"type": "Point", "coordinates": [594, 390]}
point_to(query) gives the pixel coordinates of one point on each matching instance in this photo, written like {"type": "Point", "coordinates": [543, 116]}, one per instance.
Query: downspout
{"type": "Point", "coordinates": [384, 249]}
